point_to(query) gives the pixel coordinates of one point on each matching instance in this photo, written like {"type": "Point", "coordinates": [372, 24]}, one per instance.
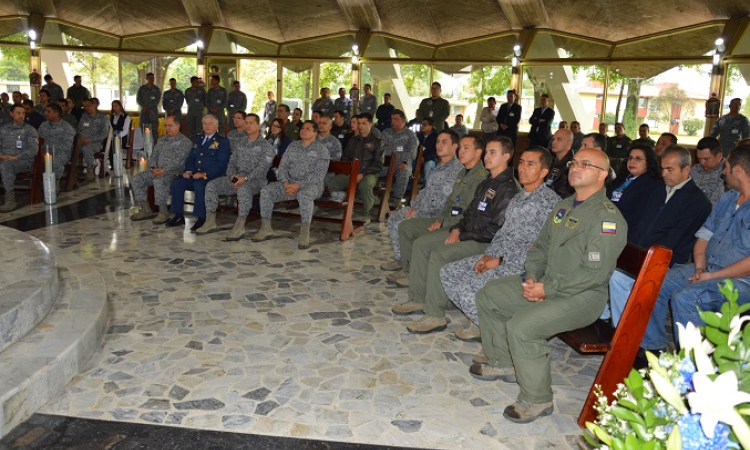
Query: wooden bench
{"type": "Point", "coordinates": [383, 189]}
{"type": "Point", "coordinates": [417, 173]}
{"type": "Point", "coordinates": [620, 346]}
{"type": "Point", "coordinates": [71, 182]}
{"type": "Point", "coordinates": [35, 176]}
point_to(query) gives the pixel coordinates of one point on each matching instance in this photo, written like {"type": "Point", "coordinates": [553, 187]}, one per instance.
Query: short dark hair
{"type": "Point", "coordinates": [506, 143]}
{"type": "Point", "coordinates": [27, 102]}
{"type": "Point", "coordinates": [438, 84]}
{"type": "Point", "coordinates": [15, 106]}
{"type": "Point", "coordinates": [599, 140]}
{"type": "Point", "coordinates": [492, 99]}
{"type": "Point", "coordinates": [368, 85]}
{"type": "Point", "coordinates": [340, 113]}
{"type": "Point", "coordinates": [367, 116]}
{"type": "Point", "coordinates": [240, 112]}
{"type": "Point", "coordinates": [682, 152]}
{"type": "Point", "coordinates": [55, 107]}
{"type": "Point", "coordinates": [619, 123]}
{"type": "Point", "coordinates": [176, 120]}
{"type": "Point", "coordinates": [544, 96]}
{"type": "Point", "coordinates": [314, 125]}
{"type": "Point", "coordinates": [672, 137]}
{"type": "Point", "coordinates": [286, 107]}
{"type": "Point", "coordinates": [318, 112]}
{"type": "Point", "coordinates": [194, 78]}
{"type": "Point", "coordinates": [76, 76]}
{"type": "Point", "coordinates": [216, 77]}
{"type": "Point", "coordinates": [740, 156]}
{"type": "Point", "coordinates": [453, 135]}
{"type": "Point", "coordinates": [479, 143]}
{"type": "Point", "coordinates": [236, 82]}
{"type": "Point", "coordinates": [173, 79]}
{"type": "Point", "coordinates": [47, 77]}
{"type": "Point", "coordinates": [45, 91]}
{"type": "Point", "coordinates": [429, 120]}
{"type": "Point", "coordinates": [257, 117]}
{"type": "Point", "coordinates": [710, 143]}
{"type": "Point", "coordinates": [545, 156]}
{"type": "Point", "coordinates": [298, 109]}
{"type": "Point", "coordinates": [150, 74]}
{"type": "Point", "coordinates": [398, 112]}
{"type": "Point", "coordinates": [386, 94]}
{"type": "Point", "coordinates": [459, 115]}
{"type": "Point", "coordinates": [575, 121]}
{"type": "Point", "coordinates": [643, 125]}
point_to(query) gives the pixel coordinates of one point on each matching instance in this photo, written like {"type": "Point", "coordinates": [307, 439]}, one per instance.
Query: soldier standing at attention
{"type": "Point", "coordinates": [236, 100]}
{"type": "Point", "coordinates": [324, 104]}
{"type": "Point", "coordinates": [217, 101]}
{"type": "Point", "coordinates": [368, 103]}
{"type": "Point", "coordinates": [172, 100]}
{"type": "Point", "coordinates": [195, 96]}
{"type": "Point", "coordinates": [565, 287]}
{"type": "Point", "coordinates": [148, 99]}
{"type": "Point", "coordinates": [435, 107]}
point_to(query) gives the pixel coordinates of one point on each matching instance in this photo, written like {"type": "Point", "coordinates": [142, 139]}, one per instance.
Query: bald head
{"type": "Point", "coordinates": [588, 171]}
{"type": "Point", "coordinates": [561, 143]}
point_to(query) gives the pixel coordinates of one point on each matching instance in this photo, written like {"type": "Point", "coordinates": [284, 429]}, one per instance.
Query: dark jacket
{"type": "Point", "coordinates": [632, 202]}
{"type": "Point", "coordinates": [342, 134]}
{"type": "Point", "coordinates": [383, 115]}
{"type": "Point", "coordinates": [369, 152]}
{"type": "Point", "coordinates": [35, 120]}
{"type": "Point", "coordinates": [509, 115]}
{"type": "Point", "coordinates": [210, 158]}
{"type": "Point", "coordinates": [557, 179]}
{"type": "Point", "coordinates": [429, 143]}
{"type": "Point", "coordinates": [486, 213]}
{"type": "Point", "coordinates": [541, 133]}
{"type": "Point", "coordinates": [675, 223]}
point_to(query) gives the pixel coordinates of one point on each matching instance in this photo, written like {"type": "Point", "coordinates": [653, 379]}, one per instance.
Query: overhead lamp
{"type": "Point", "coordinates": [355, 49]}
{"type": "Point", "coordinates": [32, 45]}
{"type": "Point", "coordinates": [514, 61]}
{"type": "Point", "coordinates": [720, 44]}
{"type": "Point", "coordinates": [716, 58]}
{"type": "Point", "coordinates": [199, 43]}
{"type": "Point", "coordinates": [517, 49]}
{"type": "Point", "coordinates": [32, 35]}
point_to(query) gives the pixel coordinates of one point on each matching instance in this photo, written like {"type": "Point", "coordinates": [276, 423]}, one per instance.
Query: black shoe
{"type": "Point", "coordinates": [198, 223]}
{"type": "Point", "coordinates": [176, 221]}
{"type": "Point", "coordinates": [641, 361]}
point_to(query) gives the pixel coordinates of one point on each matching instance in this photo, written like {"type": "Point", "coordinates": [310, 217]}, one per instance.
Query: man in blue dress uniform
{"type": "Point", "coordinates": [207, 160]}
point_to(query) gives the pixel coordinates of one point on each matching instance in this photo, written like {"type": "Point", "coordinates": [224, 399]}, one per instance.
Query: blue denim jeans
{"type": "Point", "coordinates": [428, 168]}
{"type": "Point", "coordinates": [685, 299]}
{"type": "Point", "coordinates": [620, 286]}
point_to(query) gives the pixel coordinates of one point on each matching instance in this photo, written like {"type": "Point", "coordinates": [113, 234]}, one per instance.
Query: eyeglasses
{"type": "Point", "coordinates": [583, 165]}
{"type": "Point", "coordinates": [636, 158]}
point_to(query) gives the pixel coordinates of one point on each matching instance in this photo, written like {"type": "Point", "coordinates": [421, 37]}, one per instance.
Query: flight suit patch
{"type": "Point", "coordinates": [610, 207]}
{"type": "Point", "coordinates": [594, 257]}
{"type": "Point", "coordinates": [571, 223]}
{"type": "Point", "coordinates": [490, 193]}
{"type": "Point", "coordinates": [559, 216]}
{"type": "Point", "coordinates": [609, 227]}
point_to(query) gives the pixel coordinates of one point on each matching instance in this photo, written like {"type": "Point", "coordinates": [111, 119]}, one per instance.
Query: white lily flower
{"type": "Point", "coordinates": [703, 363]}
{"type": "Point", "coordinates": [715, 400]}
{"type": "Point", "coordinates": [735, 328]}
{"type": "Point", "coordinates": [690, 337]}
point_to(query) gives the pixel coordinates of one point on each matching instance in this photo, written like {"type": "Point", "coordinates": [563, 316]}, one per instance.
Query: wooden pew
{"type": "Point", "coordinates": [383, 189]}
{"type": "Point", "coordinates": [71, 182]}
{"type": "Point", "coordinates": [620, 346]}
{"type": "Point", "coordinates": [35, 176]}
{"type": "Point", "coordinates": [417, 173]}
{"type": "Point", "coordinates": [130, 159]}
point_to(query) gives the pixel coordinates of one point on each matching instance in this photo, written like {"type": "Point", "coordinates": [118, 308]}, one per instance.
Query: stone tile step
{"type": "Point", "coordinates": [35, 369]}
{"type": "Point", "coordinates": [29, 284]}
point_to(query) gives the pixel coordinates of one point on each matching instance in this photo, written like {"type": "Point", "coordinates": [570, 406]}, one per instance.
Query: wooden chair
{"type": "Point", "coordinates": [103, 158]}
{"type": "Point", "coordinates": [417, 173]}
{"type": "Point", "coordinates": [384, 210]}
{"type": "Point", "coordinates": [71, 182]}
{"type": "Point", "coordinates": [35, 176]}
{"type": "Point", "coordinates": [130, 158]}
{"type": "Point", "coordinates": [649, 267]}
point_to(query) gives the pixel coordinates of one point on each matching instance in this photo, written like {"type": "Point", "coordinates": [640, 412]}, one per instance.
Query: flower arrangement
{"type": "Point", "coordinates": [697, 398]}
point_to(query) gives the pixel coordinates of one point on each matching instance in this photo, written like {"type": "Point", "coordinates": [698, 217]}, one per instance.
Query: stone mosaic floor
{"type": "Point", "coordinates": [262, 338]}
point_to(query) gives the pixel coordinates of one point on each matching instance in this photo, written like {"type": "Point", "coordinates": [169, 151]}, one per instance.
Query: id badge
{"type": "Point", "coordinates": [430, 113]}
{"type": "Point", "coordinates": [19, 143]}
{"type": "Point", "coordinates": [218, 101]}
{"type": "Point", "coordinates": [341, 136]}
{"type": "Point", "coordinates": [616, 196]}
{"type": "Point", "coordinates": [153, 98]}
{"type": "Point", "coordinates": [86, 124]}
{"type": "Point", "coordinates": [456, 211]}
{"type": "Point", "coordinates": [197, 99]}
{"type": "Point", "coordinates": [735, 131]}
{"type": "Point", "coordinates": [482, 206]}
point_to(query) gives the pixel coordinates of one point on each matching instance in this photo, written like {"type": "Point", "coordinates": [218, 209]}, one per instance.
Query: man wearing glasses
{"type": "Point", "coordinates": [565, 287]}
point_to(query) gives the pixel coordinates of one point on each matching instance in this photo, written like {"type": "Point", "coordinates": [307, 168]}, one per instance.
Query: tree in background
{"type": "Point", "coordinates": [485, 82]}
{"type": "Point", "coordinates": [14, 61]}
{"type": "Point", "coordinates": [258, 77]}
{"type": "Point", "coordinates": [670, 99]}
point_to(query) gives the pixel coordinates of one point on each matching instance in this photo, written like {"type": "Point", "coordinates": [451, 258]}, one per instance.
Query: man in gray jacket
{"type": "Point", "coordinates": [148, 99]}
{"type": "Point", "coordinates": [94, 128]}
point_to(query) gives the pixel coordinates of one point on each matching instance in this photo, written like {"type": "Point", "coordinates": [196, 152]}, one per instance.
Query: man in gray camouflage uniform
{"type": "Point", "coordinates": [55, 90]}
{"type": "Point", "coordinates": [216, 101]}
{"type": "Point", "coordinates": [301, 176]}
{"type": "Point", "coordinates": [58, 136]}
{"type": "Point", "coordinates": [368, 103]}
{"type": "Point", "coordinates": [19, 143]}
{"type": "Point", "coordinates": [94, 128]}
{"type": "Point", "coordinates": [238, 132]}
{"type": "Point", "coordinates": [167, 162]}
{"type": "Point", "coordinates": [324, 104]}
{"type": "Point", "coordinates": [195, 96]}
{"type": "Point", "coordinates": [148, 99]}
{"type": "Point", "coordinates": [236, 100]}
{"type": "Point", "coordinates": [343, 104]}
{"type": "Point", "coordinates": [269, 111]}
{"type": "Point", "coordinates": [506, 255]}
{"type": "Point", "coordinates": [402, 143]}
{"type": "Point", "coordinates": [431, 199]}
{"type": "Point", "coordinates": [246, 176]}
{"type": "Point", "coordinates": [326, 138]}
{"type": "Point", "coordinates": [172, 100]}
{"type": "Point", "coordinates": [732, 127]}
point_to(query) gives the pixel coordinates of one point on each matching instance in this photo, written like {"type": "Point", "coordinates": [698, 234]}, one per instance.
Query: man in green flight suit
{"type": "Point", "coordinates": [565, 287]}
{"type": "Point", "coordinates": [470, 155]}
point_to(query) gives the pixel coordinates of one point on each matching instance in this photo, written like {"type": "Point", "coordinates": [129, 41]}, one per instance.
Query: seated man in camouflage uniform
{"type": "Point", "coordinates": [246, 176]}
{"type": "Point", "coordinates": [402, 143]}
{"type": "Point", "coordinates": [19, 143]}
{"type": "Point", "coordinates": [58, 137]}
{"type": "Point", "coordinates": [301, 177]}
{"type": "Point", "coordinates": [325, 137]}
{"type": "Point", "coordinates": [167, 162]}
{"type": "Point", "coordinates": [430, 199]}
{"type": "Point", "coordinates": [94, 128]}
{"type": "Point", "coordinates": [506, 254]}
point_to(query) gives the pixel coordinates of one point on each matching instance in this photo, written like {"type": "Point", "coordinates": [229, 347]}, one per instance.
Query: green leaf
{"type": "Point", "coordinates": [640, 430]}
{"type": "Point", "coordinates": [626, 414]}
{"type": "Point", "coordinates": [628, 404]}
{"type": "Point", "coordinates": [600, 433]}
{"type": "Point", "coordinates": [619, 445]}
{"type": "Point", "coordinates": [710, 318]}
{"type": "Point", "coordinates": [716, 336]}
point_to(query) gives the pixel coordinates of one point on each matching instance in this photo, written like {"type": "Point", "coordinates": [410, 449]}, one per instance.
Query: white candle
{"type": "Point", "coordinates": [143, 164]}
{"type": "Point", "coordinates": [47, 162]}
{"type": "Point", "coordinates": [148, 141]}
{"type": "Point", "coordinates": [118, 145]}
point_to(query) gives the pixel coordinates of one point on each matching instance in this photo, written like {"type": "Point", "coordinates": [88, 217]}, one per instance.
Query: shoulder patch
{"type": "Point", "coordinates": [609, 227]}
{"type": "Point", "coordinates": [559, 216]}
{"type": "Point", "coordinates": [610, 208]}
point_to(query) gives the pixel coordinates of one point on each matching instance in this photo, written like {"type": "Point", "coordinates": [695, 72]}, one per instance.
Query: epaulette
{"type": "Point", "coordinates": [610, 207]}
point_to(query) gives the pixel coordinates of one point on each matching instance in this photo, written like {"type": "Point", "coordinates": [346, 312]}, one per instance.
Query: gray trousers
{"type": "Point", "coordinates": [429, 255]}
{"type": "Point", "coordinates": [274, 192]}
{"type": "Point", "coordinates": [150, 118]}
{"type": "Point", "coordinates": [515, 331]}
{"type": "Point", "coordinates": [400, 180]}
{"type": "Point", "coordinates": [461, 283]}
{"type": "Point", "coordinates": [88, 151]}
{"type": "Point", "coordinates": [59, 159]}
{"type": "Point", "coordinates": [194, 123]}
{"type": "Point", "coordinates": [223, 186]}
{"type": "Point", "coordinates": [162, 185]}
{"type": "Point", "coordinates": [9, 169]}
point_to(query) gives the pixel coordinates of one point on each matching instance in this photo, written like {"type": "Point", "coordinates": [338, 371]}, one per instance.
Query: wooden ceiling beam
{"type": "Point", "coordinates": [204, 12]}
{"type": "Point", "coordinates": [525, 13]}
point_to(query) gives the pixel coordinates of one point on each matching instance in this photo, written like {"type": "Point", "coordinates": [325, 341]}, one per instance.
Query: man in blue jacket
{"type": "Point", "coordinates": [672, 215]}
{"type": "Point", "coordinates": [721, 252]}
{"type": "Point", "coordinates": [207, 161]}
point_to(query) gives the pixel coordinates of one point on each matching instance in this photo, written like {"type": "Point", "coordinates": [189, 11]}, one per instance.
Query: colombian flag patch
{"type": "Point", "coordinates": [609, 227]}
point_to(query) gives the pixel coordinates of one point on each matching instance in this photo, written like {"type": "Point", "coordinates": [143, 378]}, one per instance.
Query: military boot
{"type": "Point", "coordinates": [304, 237]}
{"type": "Point", "coordinates": [238, 231]}
{"type": "Point", "coordinates": [10, 202]}
{"type": "Point", "coordinates": [209, 226]}
{"type": "Point", "coordinates": [144, 214]}
{"type": "Point", "coordinates": [162, 217]}
{"type": "Point", "coordinates": [265, 232]}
